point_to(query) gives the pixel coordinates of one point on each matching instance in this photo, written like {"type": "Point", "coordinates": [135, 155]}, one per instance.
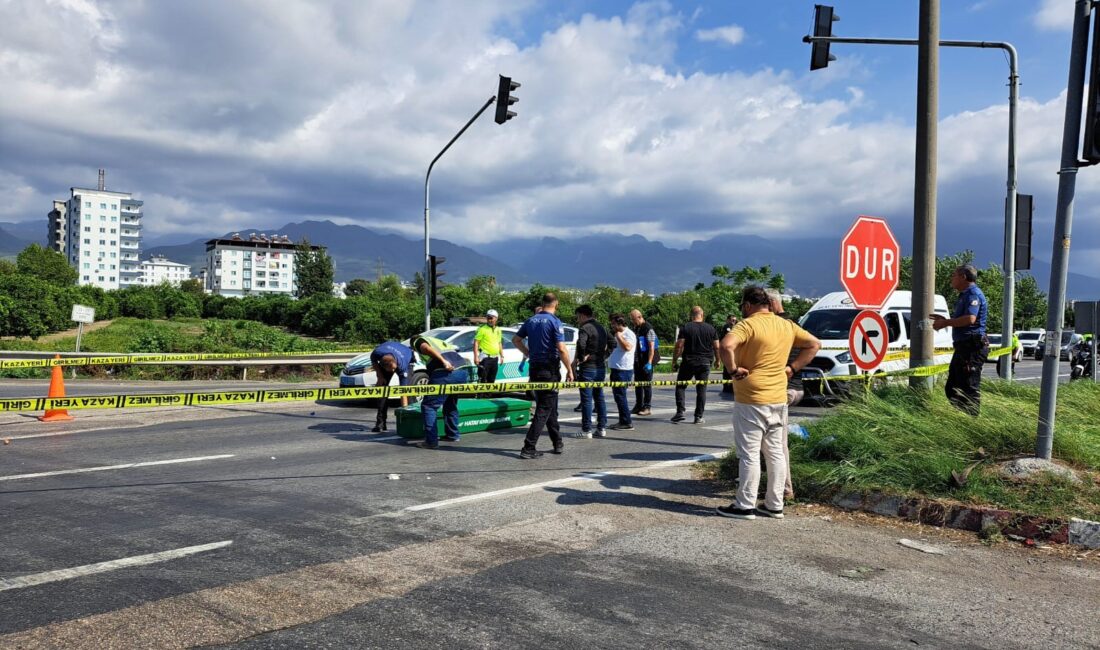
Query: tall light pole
{"type": "Point", "coordinates": [504, 100]}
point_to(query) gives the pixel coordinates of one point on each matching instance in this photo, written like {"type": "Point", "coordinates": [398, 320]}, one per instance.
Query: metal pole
{"type": "Point", "coordinates": [1008, 308]}
{"type": "Point", "coordinates": [924, 190]}
{"type": "Point", "coordinates": [79, 334]}
{"type": "Point", "coordinates": [1063, 222]}
{"type": "Point", "coordinates": [427, 248]}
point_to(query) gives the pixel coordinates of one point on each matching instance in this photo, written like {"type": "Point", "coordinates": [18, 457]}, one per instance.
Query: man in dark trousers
{"type": "Point", "coordinates": [591, 366]}
{"type": "Point", "coordinates": [646, 356]}
{"type": "Point", "coordinates": [545, 347]}
{"type": "Point", "coordinates": [964, 377]}
{"type": "Point", "coordinates": [389, 359]}
{"type": "Point", "coordinates": [697, 346]}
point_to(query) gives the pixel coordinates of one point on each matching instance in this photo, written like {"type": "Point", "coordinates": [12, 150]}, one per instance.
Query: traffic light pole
{"type": "Point", "coordinates": [1009, 307]}
{"type": "Point", "coordinates": [1063, 222]}
{"type": "Point", "coordinates": [427, 214]}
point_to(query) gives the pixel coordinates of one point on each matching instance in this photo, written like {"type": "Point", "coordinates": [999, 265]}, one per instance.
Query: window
{"type": "Point", "coordinates": [113, 231]}
{"type": "Point", "coordinates": [86, 278]}
{"type": "Point", "coordinates": [87, 265]}
{"type": "Point", "coordinates": [102, 206]}
{"type": "Point", "coordinates": [102, 230]}
{"type": "Point", "coordinates": [114, 242]}
{"type": "Point", "coordinates": [114, 206]}
{"type": "Point", "coordinates": [87, 253]}
{"type": "Point", "coordinates": [114, 255]}
{"type": "Point", "coordinates": [102, 218]}
{"type": "Point", "coordinates": [101, 267]}
{"type": "Point", "coordinates": [87, 204]}
{"type": "Point", "coordinates": [113, 279]}
{"type": "Point", "coordinates": [114, 219]}
{"type": "Point", "coordinates": [87, 241]}
{"type": "Point", "coordinates": [232, 273]}
{"type": "Point", "coordinates": [893, 326]}
{"type": "Point", "coordinates": [112, 267]}
{"type": "Point", "coordinates": [464, 342]}
{"type": "Point", "coordinates": [87, 229]}
{"type": "Point", "coordinates": [102, 242]}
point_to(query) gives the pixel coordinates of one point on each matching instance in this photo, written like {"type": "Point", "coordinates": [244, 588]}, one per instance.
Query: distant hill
{"type": "Point", "coordinates": [10, 244]}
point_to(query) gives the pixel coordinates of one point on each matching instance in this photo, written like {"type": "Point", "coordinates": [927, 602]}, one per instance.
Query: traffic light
{"type": "Point", "coordinates": [1090, 149]}
{"type": "Point", "coordinates": [505, 99]}
{"type": "Point", "coordinates": [823, 27]}
{"type": "Point", "coordinates": [434, 285]}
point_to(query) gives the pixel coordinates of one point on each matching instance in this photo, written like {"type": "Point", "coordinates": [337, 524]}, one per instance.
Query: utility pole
{"type": "Point", "coordinates": [1063, 222]}
{"type": "Point", "coordinates": [924, 190]}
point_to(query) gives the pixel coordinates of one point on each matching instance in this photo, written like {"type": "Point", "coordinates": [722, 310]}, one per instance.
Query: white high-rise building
{"type": "Point", "coordinates": [99, 232]}
{"type": "Point", "coordinates": [158, 270]}
{"type": "Point", "coordinates": [256, 266]}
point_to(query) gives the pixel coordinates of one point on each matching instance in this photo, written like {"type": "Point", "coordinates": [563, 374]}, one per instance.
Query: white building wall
{"type": "Point", "coordinates": [250, 270]}
{"type": "Point", "coordinates": [103, 237]}
{"type": "Point", "coordinates": [158, 270]}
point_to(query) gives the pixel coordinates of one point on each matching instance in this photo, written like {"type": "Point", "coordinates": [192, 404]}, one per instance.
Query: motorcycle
{"type": "Point", "coordinates": [1082, 365]}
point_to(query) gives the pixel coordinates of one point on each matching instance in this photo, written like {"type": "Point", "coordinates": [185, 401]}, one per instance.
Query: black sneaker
{"type": "Point", "coordinates": [532, 453]}
{"type": "Point", "coordinates": [423, 444]}
{"type": "Point", "coordinates": [736, 513]}
{"type": "Point", "coordinates": [774, 514]}
{"type": "Point", "coordinates": [679, 417]}
{"type": "Point", "coordinates": [450, 438]}
{"type": "Point", "coordinates": [699, 420]}
{"type": "Point", "coordinates": [578, 408]}
{"type": "Point", "coordinates": [644, 411]}
{"type": "Point", "coordinates": [379, 428]}
{"type": "Point", "coordinates": [558, 449]}
{"type": "Point", "coordinates": [622, 426]}
{"type": "Point", "coordinates": [636, 410]}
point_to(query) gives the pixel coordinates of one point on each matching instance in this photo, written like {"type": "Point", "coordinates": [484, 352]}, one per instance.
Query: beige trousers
{"type": "Point", "coordinates": [759, 427]}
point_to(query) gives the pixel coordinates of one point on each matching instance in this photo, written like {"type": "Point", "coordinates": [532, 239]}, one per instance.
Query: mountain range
{"type": "Point", "coordinates": [628, 261]}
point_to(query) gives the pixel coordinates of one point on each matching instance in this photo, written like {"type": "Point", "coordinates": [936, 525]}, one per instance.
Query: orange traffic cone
{"type": "Point", "coordinates": [57, 389]}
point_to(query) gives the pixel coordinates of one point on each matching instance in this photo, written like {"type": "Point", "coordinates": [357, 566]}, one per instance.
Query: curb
{"type": "Point", "coordinates": [930, 512]}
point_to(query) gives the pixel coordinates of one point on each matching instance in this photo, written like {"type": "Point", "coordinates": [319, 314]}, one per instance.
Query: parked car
{"type": "Point", "coordinates": [994, 343]}
{"type": "Point", "coordinates": [1029, 340]}
{"type": "Point", "coordinates": [358, 372]}
{"type": "Point", "coordinates": [1070, 339]}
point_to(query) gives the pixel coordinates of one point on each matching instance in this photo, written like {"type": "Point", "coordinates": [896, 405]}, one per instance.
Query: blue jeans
{"type": "Point", "coordinates": [620, 394]}
{"type": "Point", "coordinates": [429, 407]}
{"type": "Point", "coordinates": [592, 374]}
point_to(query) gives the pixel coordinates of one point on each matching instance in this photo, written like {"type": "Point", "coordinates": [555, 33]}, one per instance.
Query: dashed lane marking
{"type": "Point", "coordinates": [33, 579]}
{"type": "Point", "coordinates": [104, 468]}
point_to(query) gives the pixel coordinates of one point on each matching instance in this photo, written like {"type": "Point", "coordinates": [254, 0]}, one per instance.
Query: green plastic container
{"type": "Point", "coordinates": [473, 415]}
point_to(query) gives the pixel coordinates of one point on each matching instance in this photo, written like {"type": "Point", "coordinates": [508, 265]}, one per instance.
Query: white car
{"type": "Point", "coordinates": [358, 372]}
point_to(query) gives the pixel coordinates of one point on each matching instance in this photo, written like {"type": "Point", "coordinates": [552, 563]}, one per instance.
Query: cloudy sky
{"type": "Point", "coordinates": [676, 120]}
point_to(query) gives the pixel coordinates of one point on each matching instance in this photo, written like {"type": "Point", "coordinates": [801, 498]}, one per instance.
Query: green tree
{"type": "Point", "coordinates": [356, 287]}
{"type": "Point", "coordinates": [46, 264]}
{"type": "Point", "coordinates": [193, 287]}
{"type": "Point", "coordinates": [313, 270]}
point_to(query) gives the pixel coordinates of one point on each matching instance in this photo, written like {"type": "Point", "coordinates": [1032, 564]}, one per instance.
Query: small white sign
{"type": "Point", "coordinates": [83, 314]}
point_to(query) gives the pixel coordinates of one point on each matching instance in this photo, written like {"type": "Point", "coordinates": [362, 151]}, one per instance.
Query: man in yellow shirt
{"type": "Point", "coordinates": [756, 352]}
{"type": "Point", "coordinates": [488, 345]}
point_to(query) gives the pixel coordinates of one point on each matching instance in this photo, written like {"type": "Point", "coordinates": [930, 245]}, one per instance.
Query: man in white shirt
{"type": "Point", "coordinates": [621, 364]}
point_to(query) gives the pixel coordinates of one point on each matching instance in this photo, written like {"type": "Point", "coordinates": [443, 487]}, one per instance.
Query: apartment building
{"type": "Point", "coordinates": [258, 265]}
{"type": "Point", "coordinates": [158, 270]}
{"type": "Point", "coordinates": [99, 233]}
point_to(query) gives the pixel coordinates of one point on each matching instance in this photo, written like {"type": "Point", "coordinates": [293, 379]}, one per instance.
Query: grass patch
{"type": "Point", "coordinates": [895, 441]}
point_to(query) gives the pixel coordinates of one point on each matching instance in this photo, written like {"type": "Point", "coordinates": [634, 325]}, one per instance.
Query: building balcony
{"type": "Point", "coordinates": [136, 237]}
{"type": "Point", "coordinates": [136, 225]}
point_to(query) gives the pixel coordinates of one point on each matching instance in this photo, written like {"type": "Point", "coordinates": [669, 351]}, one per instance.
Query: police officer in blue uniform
{"type": "Point", "coordinates": [971, 345]}
{"type": "Point", "coordinates": [389, 359]}
{"type": "Point", "coordinates": [545, 347]}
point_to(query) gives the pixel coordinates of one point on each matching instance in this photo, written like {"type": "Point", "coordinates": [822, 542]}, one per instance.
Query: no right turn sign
{"type": "Point", "coordinates": [867, 340]}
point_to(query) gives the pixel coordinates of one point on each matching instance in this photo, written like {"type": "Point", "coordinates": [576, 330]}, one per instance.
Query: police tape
{"type": "Point", "coordinates": [265, 396]}
{"type": "Point", "coordinates": [921, 371]}
{"type": "Point", "coordinates": [143, 358]}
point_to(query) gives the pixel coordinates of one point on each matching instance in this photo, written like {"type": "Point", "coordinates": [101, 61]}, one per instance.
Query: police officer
{"type": "Point", "coordinates": [444, 363]}
{"type": "Point", "coordinates": [386, 360]}
{"type": "Point", "coordinates": [967, 321]}
{"type": "Point", "coordinates": [545, 347]}
{"type": "Point", "coordinates": [487, 348]}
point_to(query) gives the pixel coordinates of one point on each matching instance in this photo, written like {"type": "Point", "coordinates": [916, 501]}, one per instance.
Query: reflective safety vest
{"type": "Point", "coordinates": [449, 352]}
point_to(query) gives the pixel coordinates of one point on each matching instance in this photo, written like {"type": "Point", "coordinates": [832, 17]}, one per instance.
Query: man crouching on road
{"type": "Point", "coordinates": [386, 360]}
{"type": "Point", "coordinates": [443, 362]}
{"type": "Point", "coordinates": [756, 351]}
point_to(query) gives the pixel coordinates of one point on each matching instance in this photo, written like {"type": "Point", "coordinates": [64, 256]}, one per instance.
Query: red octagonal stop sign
{"type": "Point", "coordinates": [870, 260]}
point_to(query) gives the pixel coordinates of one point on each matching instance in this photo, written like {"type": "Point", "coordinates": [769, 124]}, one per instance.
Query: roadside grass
{"type": "Point", "coordinates": [897, 442]}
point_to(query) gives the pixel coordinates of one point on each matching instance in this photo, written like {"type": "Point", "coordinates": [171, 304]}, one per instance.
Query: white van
{"type": "Point", "coordinates": [830, 320]}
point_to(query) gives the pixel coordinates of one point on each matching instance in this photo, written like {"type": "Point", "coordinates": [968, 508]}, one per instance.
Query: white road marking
{"type": "Point", "coordinates": [33, 579]}
{"type": "Point", "coordinates": [1034, 378]}
{"type": "Point", "coordinates": [103, 468]}
{"type": "Point", "coordinates": [583, 476]}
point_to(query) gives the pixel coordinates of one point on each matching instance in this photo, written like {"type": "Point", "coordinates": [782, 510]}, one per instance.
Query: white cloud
{"type": "Point", "coordinates": [730, 34]}
{"type": "Point", "coordinates": [225, 116]}
{"type": "Point", "coordinates": [1055, 14]}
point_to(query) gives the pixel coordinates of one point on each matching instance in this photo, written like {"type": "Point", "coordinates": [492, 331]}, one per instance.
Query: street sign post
{"type": "Point", "coordinates": [867, 340]}
{"type": "Point", "coordinates": [870, 260]}
{"type": "Point", "coordinates": [81, 314]}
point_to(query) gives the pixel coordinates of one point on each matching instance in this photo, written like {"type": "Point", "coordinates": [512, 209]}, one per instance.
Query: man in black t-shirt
{"type": "Point", "coordinates": [697, 345]}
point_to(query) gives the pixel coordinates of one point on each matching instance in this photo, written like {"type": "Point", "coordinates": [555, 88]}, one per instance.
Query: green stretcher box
{"type": "Point", "coordinates": [473, 415]}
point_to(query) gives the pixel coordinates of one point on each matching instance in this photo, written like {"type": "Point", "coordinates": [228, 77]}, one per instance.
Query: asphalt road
{"type": "Point", "coordinates": [292, 526]}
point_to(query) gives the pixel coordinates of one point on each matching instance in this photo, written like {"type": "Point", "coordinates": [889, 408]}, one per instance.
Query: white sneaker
{"type": "Point", "coordinates": [601, 433]}
{"type": "Point", "coordinates": [581, 434]}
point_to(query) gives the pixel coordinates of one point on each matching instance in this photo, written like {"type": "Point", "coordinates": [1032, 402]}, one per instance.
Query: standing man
{"type": "Point", "coordinates": [386, 360]}
{"type": "Point", "coordinates": [488, 343]}
{"type": "Point", "coordinates": [591, 366]}
{"type": "Point", "coordinates": [795, 391]}
{"type": "Point", "coordinates": [727, 375]}
{"type": "Point", "coordinates": [622, 368]}
{"type": "Point", "coordinates": [646, 357]}
{"type": "Point", "coordinates": [964, 377]}
{"type": "Point", "coordinates": [444, 363]}
{"type": "Point", "coordinates": [545, 347]}
{"type": "Point", "coordinates": [757, 351]}
{"type": "Point", "coordinates": [698, 347]}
